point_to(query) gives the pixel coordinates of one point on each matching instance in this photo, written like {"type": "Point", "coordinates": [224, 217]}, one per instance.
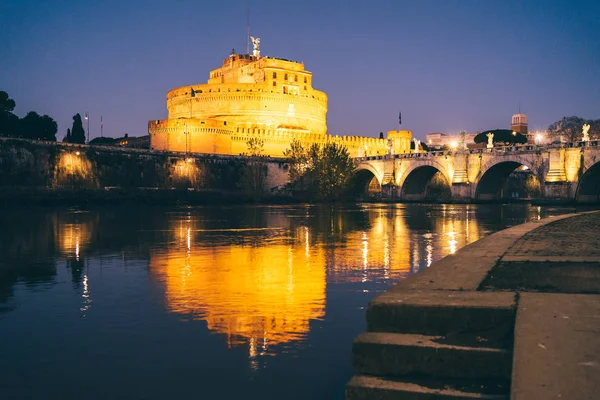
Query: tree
{"type": "Point", "coordinates": [32, 126]}
{"type": "Point", "coordinates": [8, 121]}
{"type": "Point", "coordinates": [255, 147]}
{"type": "Point", "coordinates": [104, 141]}
{"type": "Point", "coordinates": [423, 146]}
{"type": "Point", "coordinates": [298, 162]}
{"type": "Point", "coordinates": [502, 136]}
{"type": "Point", "coordinates": [254, 173]}
{"type": "Point", "coordinates": [67, 138]}
{"type": "Point", "coordinates": [7, 105]}
{"type": "Point", "coordinates": [333, 169]}
{"type": "Point", "coordinates": [77, 132]}
{"type": "Point", "coordinates": [37, 127]}
{"type": "Point", "coordinates": [570, 129]}
{"type": "Point", "coordinates": [328, 168]}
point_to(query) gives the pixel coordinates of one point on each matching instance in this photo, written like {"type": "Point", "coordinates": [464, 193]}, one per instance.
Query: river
{"type": "Point", "coordinates": [253, 302]}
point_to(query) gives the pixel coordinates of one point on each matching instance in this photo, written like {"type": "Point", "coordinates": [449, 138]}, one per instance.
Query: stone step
{"type": "Point", "coordinates": [370, 388]}
{"type": "Point", "coordinates": [395, 355]}
{"type": "Point", "coordinates": [388, 177]}
{"type": "Point", "coordinates": [463, 318]}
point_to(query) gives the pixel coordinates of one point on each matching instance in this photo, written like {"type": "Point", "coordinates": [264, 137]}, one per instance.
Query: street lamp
{"type": "Point", "coordinates": [538, 139]}
{"type": "Point", "coordinates": [87, 118]}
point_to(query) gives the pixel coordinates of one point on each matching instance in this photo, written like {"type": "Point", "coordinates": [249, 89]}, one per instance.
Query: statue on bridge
{"type": "Point", "coordinates": [586, 135]}
{"type": "Point", "coordinates": [490, 142]}
{"type": "Point", "coordinates": [390, 147]}
{"type": "Point", "coordinates": [417, 145]}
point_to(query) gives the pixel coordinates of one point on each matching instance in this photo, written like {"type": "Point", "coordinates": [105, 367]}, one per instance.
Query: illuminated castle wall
{"type": "Point", "coordinates": [254, 96]}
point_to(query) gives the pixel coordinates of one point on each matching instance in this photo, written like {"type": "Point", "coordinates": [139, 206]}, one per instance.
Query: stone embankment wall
{"type": "Point", "coordinates": [48, 165]}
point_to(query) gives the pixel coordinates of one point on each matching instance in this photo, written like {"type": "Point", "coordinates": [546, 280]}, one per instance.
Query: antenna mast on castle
{"type": "Point", "coordinates": [248, 36]}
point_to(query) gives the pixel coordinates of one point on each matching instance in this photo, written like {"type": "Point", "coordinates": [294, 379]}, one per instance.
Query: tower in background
{"type": "Point", "coordinates": [519, 123]}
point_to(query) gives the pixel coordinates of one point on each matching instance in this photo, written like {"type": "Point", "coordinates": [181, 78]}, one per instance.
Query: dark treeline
{"type": "Point", "coordinates": [32, 126]}
{"type": "Point", "coordinates": [35, 126]}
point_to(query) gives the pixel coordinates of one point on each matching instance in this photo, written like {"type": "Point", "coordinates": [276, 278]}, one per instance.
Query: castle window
{"type": "Point", "coordinates": [274, 83]}
{"type": "Point", "coordinates": [285, 77]}
{"type": "Point", "coordinates": [285, 90]}
{"type": "Point", "coordinates": [304, 87]}
{"type": "Point", "coordinates": [304, 79]}
{"type": "Point", "coordinates": [296, 78]}
{"type": "Point", "coordinates": [274, 75]}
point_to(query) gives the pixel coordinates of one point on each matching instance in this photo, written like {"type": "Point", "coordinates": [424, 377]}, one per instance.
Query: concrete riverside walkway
{"type": "Point", "coordinates": [557, 333]}
{"type": "Point", "coordinates": [530, 293]}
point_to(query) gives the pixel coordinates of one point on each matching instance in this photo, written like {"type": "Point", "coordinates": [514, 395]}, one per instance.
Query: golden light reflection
{"type": "Point", "coordinates": [428, 248]}
{"type": "Point", "coordinates": [85, 296]}
{"type": "Point", "coordinates": [452, 242]}
{"type": "Point", "coordinates": [265, 295]}
{"type": "Point", "coordinates": [416, 257]}
{"type": "Point", "coordinates": [73, 237]}
{"type": "Point", "coordinates": [260, 287]}
{"type": "Point", "coordinates": [365, 253]}
{"type": "Point", "coordinates": [306, 243]}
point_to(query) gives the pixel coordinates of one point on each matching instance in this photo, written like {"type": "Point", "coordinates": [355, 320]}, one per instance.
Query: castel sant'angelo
{"type": "Point", "coordinates": [256, 96]}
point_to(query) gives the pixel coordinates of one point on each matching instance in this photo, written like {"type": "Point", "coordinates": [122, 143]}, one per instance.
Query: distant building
{"type": "Point", "coordinates": [137, 142]}
{"type": "Point", "coordinates": [438, 140]}
{"type": "Point", "coordinates": [519, 124]}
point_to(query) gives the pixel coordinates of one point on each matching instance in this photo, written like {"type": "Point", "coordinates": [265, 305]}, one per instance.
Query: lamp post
{"type": "Point", "coordinates": [538, 139]}
{"type": "Point", "coordinates": [87, 118]}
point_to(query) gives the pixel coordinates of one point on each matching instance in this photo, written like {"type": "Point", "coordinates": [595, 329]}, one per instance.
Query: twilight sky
{"type": "Point", "coordinates": [447, 65]}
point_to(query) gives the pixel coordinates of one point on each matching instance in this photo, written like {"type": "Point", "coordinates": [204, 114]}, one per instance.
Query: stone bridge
{"type": "Point", "coordinates": [568, 171]}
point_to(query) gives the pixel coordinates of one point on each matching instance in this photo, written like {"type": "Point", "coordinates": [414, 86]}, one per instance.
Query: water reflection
{"type": "Point", "coordinates": [263, 284]}
{"type": "Point", "coordinates": [236, 285]}
{"type": "Point", "coordinates": [260, 293]}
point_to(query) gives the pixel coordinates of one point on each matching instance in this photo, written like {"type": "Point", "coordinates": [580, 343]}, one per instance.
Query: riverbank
{"type": "Point", "coordinates": [513, 315]}
{"type": "Point", "coordinates": [144, 196]}
{"type": "Point", "coordinates": [36, 196]}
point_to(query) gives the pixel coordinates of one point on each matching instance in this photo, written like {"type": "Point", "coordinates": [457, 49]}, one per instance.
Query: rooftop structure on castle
{"type": "Point", "coordinates": [255, 96]}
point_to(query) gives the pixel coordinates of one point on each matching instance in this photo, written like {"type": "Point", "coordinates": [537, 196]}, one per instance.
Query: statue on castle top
{"type": "Point", "coordinates": [586, 135]}
{"type": "Point", "coordinates": [256, 44]}
{"type": "Point", "coordinates": [490, 142]}
{"type": "Point", "coordinates": [417, 145]}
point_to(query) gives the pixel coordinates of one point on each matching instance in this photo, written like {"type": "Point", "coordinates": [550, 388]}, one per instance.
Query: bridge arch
{"type": "Point", "coordinates": [368, 167]}
{"type": "Point", "coordinates": [490, 182]}
{"type": "Point", "coordinates": [417, 178]}
{"type": "Point", "coordinates": [365, 177]}
{"type": "Point", "coordinates": [588, 188]}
